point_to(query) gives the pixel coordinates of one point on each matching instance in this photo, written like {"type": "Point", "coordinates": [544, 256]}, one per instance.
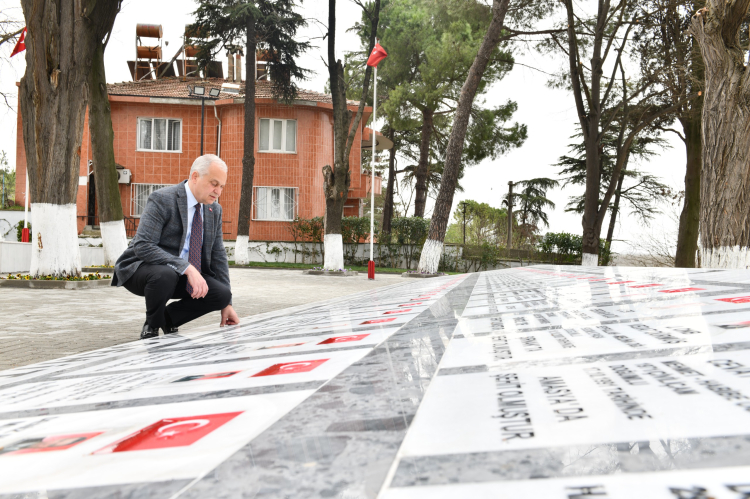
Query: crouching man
{"type": "Point", "coordinates": [178, 252]}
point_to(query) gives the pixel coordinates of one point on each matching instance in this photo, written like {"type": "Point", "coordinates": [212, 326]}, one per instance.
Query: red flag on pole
{"type": "Point", "coordinates": [377, 55]}
{"type": "Point", "coordinates": [21, 45]}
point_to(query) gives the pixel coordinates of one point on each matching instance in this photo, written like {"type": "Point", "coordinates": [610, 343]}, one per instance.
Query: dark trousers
{"type": "Point", "coordinates": [159, 284]}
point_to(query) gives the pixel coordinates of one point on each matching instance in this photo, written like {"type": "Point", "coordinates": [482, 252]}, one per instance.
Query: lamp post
{"type": "Point", "coordinates": [200, 91]}
{"type": "Point", "coordinates": [463, 204]}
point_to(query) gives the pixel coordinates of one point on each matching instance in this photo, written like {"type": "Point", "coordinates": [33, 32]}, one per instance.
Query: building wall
{"type": "Point", "coordinates": [301, 169]}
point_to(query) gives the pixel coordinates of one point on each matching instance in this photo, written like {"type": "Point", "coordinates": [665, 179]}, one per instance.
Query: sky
{"type": "Point", "coordinates": [548, 113]}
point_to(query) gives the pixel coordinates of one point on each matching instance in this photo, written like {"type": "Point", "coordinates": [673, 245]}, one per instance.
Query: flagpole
{"type": "Point", "coordinates": [371, 275]}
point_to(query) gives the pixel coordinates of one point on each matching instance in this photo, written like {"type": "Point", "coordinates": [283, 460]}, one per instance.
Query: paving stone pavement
{"type": "Point", "coordinates": [38, 325]}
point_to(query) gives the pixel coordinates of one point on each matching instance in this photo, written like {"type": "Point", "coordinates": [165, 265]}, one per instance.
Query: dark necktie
{"type": "Point", "coordinates": [196, 243]}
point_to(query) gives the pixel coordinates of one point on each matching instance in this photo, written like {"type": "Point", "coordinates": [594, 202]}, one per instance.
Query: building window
{"type": "Point", "coordinates": [159, 134]}
{"type": "Point", "coordinates": [278, 136]}
{"type": "Point", "coordinates": [275, 203]}
{"type": "Point", "coordinates": [140, 193]}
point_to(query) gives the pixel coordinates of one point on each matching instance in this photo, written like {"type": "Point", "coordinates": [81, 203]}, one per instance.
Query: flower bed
{"type": "Point", "coordinates": [25, 277]}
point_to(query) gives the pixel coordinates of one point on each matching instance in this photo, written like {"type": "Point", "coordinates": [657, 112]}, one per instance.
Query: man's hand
{"type": "Point", "coordinates": [196, 280]}
{"type": "Point", "coordinates": [229, 317]}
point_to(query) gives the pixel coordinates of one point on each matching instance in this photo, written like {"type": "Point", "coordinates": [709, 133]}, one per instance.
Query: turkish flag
{"type": "Point", "coordinates": [170, 432]}
{"type": "Point", "coordinates": [738, 299]}
{"type": "Point", "coordinates": [20, 46]}
{"type": "Point", "coordinates": [377, 321]}
{"type": "Point", "coordinates": [344, 339]}
{"type": "Point", "coordinates": [377, 55]}
{"type": "Point", "coordinates": [290, 368]}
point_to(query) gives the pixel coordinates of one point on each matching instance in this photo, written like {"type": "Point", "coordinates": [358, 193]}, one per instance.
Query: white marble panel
{"type": "Point", "coordinates": [82, 466]}
{"type": "Point", "coordinates": [722, 483]}
{"type": "Point", "coordinates": [687, 396]}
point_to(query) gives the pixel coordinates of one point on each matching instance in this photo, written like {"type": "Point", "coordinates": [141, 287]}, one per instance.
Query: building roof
{"type": "Point", "coordinates": [176, 87]}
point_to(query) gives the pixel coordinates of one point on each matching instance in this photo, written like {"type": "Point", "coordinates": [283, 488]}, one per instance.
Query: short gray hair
{"type": "Point", "coordinates": [203, 163]}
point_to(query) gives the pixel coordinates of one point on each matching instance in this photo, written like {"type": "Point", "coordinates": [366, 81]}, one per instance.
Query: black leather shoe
{"type": "Point", "coordinates": [170, 330]}
{"type": "Point", "coordinates": [149, 332]}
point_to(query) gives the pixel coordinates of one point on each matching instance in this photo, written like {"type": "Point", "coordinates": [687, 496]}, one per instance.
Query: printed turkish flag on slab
{"type": "Point", "coordinates": [377, 321]}
{"type": "Point", "coordinates": [170, 432]}
{"type": "Point", "coordinates": [343, 339]}
{"type": "Point", "coordinates": [737, 299]}
{"type": "Point", "coordinates": [21, 45]}
{"type": "Point", "coordinates": [290, 368]}
{"type": "Point", "coordinates": [377, 55]}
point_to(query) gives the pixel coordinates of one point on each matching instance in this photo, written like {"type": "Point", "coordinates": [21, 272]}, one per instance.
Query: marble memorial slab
{"type": "Point", "coordinates": [559, 382]}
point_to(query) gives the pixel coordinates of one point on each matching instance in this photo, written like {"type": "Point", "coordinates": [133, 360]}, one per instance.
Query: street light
{"type": "Point", "coordinates": [200, 91]}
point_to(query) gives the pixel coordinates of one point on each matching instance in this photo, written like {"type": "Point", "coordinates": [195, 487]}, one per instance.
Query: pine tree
{"type": "Point", "coordinates": [269, 25]}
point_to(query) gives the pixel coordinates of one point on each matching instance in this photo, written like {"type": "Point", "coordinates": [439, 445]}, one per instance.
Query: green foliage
{"type": "Point", "coordinates": [409, 234]}
{"type": "Point", "coordinates": [431, 45]}
{"type": "Point", "coordinates": [569, 248]}
{"type": "Point", "coordinates": [19, 229]}
{"type": "Point", "coordinates": [307, 237]}
{"type": "Point", "coordinates": [276, 26]}
{"type": "Point", "coordinates": [528, 208]}
{"type": "Point", "coordinates": [10, 181]}
{"type": "Point", "coordinates": [484, 224]}
{"type": "Point", "coordinates": [410, 230]}
{"type": "Point", "coordinates": [640, 192]}
{"type": "Point", "coordinates": [355, 229]}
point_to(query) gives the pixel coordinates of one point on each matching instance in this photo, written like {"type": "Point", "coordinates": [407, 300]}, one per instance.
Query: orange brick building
{"type": "Point", "coordinates": [157, 129]}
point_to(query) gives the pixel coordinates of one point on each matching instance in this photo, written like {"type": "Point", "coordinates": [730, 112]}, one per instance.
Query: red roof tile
{"type": "Point", "coordinates": [177, 88]}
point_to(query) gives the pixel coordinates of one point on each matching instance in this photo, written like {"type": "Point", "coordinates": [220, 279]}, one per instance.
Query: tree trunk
{"type": "Point", "coordinates": [111, 219]}
{"type": "Point", "coordinates": [433, 246]}
{"type": "Point", "coordinates": [423, 167]}
{"type": "Point", "coordinates": [60, 44]}
{"type": "Point", "coordinates": [336, 180]}
{"type": "Point", "coordinates": [725, 179]}
{"type": "Point", "coordinates": [616, 207]}
{"type": "Point", "coordinates": [687, 237]}
{"type": "Point", "coordinates": [388, 204]}
{"type": "Point", "coordinates": [241, 255]}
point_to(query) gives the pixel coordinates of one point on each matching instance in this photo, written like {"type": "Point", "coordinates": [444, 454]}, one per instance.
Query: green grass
{"type": "Point", "coordinates": [303, 266]}
{"type": "Point", "coordinates": [12, 208]}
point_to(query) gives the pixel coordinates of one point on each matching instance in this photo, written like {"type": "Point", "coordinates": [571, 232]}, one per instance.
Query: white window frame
{"type": "Point", "coordinates": [134, 190]}
{"type": "Point", "coordinates": [255, 206]}
{"type": "Point", "coordinates": [152, 118]}
{"type": "Point", "coordinates": [283, 136]}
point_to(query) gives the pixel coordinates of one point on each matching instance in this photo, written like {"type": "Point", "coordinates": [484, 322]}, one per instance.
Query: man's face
{"type": "Point", "coordinates": [207, 188]}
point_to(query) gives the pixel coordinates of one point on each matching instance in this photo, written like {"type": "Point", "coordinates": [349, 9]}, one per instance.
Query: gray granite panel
{"type": "Point", "coordinates": [334, 444]}
{"type": "Point", "coordinates": [147, 490]}
{"type": "Point", "coordinates": [582, 460]}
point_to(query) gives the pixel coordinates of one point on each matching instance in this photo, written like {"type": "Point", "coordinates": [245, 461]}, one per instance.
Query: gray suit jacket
{"type": "Point", "coordinates": [161, 237]}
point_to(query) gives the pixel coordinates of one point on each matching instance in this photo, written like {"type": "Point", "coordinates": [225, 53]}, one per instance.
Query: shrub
{"type": "Point", "coordinates": [19, 229]}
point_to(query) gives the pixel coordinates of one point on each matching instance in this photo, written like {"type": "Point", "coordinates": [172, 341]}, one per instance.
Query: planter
{"type": "Point", "coordinates": [332, 273]}
{"type": "Point", "coordinates": [420, 276]}
{"type": "Point", "coordinates": [41, 284]}
{"type": "Point", "coordinates": [101, 270]}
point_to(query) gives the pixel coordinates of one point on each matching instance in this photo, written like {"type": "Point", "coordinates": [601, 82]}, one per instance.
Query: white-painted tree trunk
{"type": "Point", "coordinates": [114, 240]}
{"type": "Point", "coordinates": [54, 240]}
{"type": "Point", "coordinates": [241, 253]}
{"type": "Point", "coordinates": [334, 252]}
{"type": "Point", "coordinates": [429, 260]}
{"type": "Point", "coordinates": [589, 260]}
{"type": "Point", "coordinates": [725, 257]}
